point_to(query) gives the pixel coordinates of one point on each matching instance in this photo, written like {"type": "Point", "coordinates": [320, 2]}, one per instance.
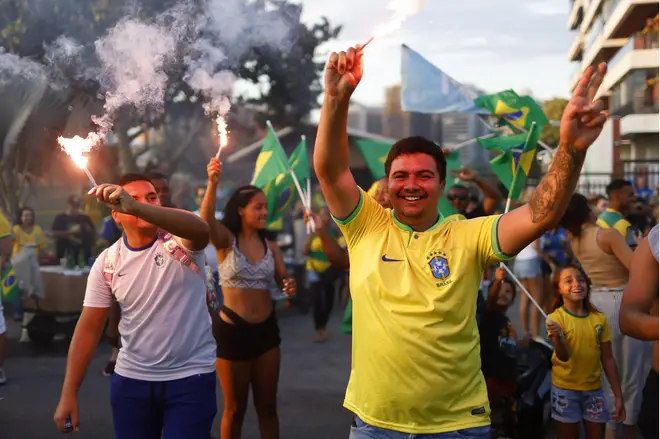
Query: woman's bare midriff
{"type": "Point", "coordinates": [253, 306]}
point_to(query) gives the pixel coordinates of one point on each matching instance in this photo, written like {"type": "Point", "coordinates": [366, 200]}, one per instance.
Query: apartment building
{"type": "Point", "coordinates": [624, 34]}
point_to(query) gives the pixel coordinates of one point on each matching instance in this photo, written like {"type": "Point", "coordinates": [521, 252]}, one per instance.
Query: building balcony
{"type": "Point", "coordinates": [628, 16]}
{"type": "Point", "coordinates": [576, 14]}
{"type": "Point", "coordinates": [575, 51]}
{"type": "Point", "coordinates": [591, 12]}
{"type": "Point", "coordinates": [639, 53]}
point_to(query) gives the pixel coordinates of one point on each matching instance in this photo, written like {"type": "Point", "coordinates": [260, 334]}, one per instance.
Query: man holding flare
{"type": "Point", "coordinates": [416, 365]}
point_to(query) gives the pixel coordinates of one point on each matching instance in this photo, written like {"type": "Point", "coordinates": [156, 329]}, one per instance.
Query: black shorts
{"type": "Point", "coordinates": [244, 341]}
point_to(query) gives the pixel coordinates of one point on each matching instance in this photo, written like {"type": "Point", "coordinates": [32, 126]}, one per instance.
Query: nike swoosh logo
{"type": "Point", "coordinates": [120, 275]}
{"type": "Point", "coordinates": [386, 259]}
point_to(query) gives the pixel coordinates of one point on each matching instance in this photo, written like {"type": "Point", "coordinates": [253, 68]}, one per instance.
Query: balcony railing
{"type": "Point", "coordinates": [639, 41]}
{"type": "Point", "coordinates": [644, 102]}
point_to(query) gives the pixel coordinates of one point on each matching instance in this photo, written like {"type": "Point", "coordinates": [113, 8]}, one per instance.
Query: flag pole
{"type": "Point", "coordinates": [541, 142]}
{"type": "Point", "coordinates": [503, 265]}
{"type": "Point", "coordinates": [293, 174]}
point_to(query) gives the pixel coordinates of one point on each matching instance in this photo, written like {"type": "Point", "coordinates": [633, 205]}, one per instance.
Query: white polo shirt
{"type": "Point", "coordinates": [165, 325]}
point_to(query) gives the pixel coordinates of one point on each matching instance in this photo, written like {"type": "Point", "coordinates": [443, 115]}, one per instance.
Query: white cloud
{"type": "Point", "coordinates": [547, 7]}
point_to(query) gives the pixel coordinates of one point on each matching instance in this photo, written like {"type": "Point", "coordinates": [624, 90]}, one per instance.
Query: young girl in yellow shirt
{"type": "Point", "coordinates": [582, 343]}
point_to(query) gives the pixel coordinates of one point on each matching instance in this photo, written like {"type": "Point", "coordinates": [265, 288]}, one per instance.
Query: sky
{"type": "Point", "coordinates": [494, 45]}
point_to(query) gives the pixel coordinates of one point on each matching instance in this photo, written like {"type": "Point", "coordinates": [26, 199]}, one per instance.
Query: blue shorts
{"type": "Point", "coordinates": [572, 406]}
{"type": "Point", "coordinates": [176, 409]}
{"type": "Point", "coordinates": [527, 268]}
{"type": "Point", "coordinates": [362, 430]}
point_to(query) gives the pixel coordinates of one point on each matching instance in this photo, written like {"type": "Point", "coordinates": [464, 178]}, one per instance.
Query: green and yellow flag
{"type": "Point", "coordinates": [375, 154]}
{"type": "Point", "coordinates": [518, 111]}
{"type": "Point", "coordinates": [512, 166]}
{"type": "Point", "coordinates": [299, 161]}
{"type": "Point", "coordinates": [272, 174]}
{"type": "Point", "coordinates": [504, 143]}
{"type": "Point", "coordinates": [9, 285]}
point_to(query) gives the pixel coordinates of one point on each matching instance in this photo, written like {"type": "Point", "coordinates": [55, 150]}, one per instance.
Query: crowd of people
{"type": "Point", "coordinates": [433, 350]}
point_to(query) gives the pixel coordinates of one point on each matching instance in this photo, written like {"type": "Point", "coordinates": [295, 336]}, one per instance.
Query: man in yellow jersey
{"type": "Point", "coordinates": [621, 196]}
{"type": "Point", "coordinates": [416, 367]}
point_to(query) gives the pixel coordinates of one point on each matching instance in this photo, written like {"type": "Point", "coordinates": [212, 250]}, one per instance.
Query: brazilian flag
{"type": "Point", "coordinates": [273, 175]}
{"type": "Point", "coordinates": [9, 285]}
{"type": "Point", "coordinates": [512, 167]}
{"type": "Point", "coordinates": [517, 111]}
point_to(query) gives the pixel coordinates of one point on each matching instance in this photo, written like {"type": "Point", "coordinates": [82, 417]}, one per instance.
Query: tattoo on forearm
{"type": "Point", "coordinates": [558, 184]}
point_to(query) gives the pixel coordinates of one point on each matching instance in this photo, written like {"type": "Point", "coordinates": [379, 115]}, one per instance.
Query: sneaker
{"type": "Point", "coordinates": [3, 377]}
{"type": "Point", "coordinates": [109, 368]}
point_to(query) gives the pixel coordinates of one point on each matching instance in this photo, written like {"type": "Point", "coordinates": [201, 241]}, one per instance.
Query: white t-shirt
{"type": "Point", "coordinates": [653, 241]}
{"type": "Point", "coordinates": [528, 253]}
{"type": "Point", "coordinates": [165, 325]}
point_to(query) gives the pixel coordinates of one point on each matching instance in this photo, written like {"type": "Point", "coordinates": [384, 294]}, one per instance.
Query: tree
{"type": "Point", "coordinates": [553, 109]}
{"type": "Point", "coordinates": [287, 75]}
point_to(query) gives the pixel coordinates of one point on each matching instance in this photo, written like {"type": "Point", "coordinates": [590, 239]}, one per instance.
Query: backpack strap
{"type": "Point", "coordinates": [183, 256]}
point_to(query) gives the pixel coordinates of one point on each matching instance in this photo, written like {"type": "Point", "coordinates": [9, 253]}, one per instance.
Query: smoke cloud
{"type": "Point", "coordinates": [132, 61]}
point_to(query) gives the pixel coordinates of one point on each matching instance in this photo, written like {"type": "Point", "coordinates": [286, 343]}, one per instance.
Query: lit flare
{"type": "Point", "coordinates": [77, 148]}
{"type": "Point", "coordinates": [223, 134]}
{"type": "Point", "coordinates": [402, 10]}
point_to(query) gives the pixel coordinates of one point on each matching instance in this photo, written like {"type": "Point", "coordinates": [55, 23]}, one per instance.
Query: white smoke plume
{"type": "Point", "coordinates": [229, 29]}
{"type": "Point", "coordinates": [64, 61]}
{"type": "Point", "coordinates": [133, 58]}
{"type": "Point", "coordinates": [13, 68]}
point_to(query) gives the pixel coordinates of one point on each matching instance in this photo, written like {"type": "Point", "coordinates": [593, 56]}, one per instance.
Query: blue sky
{"type": "Point", "coordinates": [495, 45]}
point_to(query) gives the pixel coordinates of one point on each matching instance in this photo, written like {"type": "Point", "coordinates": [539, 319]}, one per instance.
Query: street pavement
{"type": "Point", "coordinates": [312, 383]}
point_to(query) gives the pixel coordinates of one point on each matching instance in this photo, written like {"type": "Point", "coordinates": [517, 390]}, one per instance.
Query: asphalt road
{"type": "Point", "coordinates": [312, 384]}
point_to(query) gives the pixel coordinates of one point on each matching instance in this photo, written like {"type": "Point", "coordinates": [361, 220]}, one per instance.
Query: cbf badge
{"type": "Point", "coordinates": [439, 265]}
{"type": "Point", "coordinates": [159, 259]}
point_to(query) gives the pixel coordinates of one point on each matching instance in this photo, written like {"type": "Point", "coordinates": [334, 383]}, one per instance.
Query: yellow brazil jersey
{"type": "Point", "coordinates": [5, 226]}
{"type": "Point", "coordinates": [317, 260]}
{"type": "Point", "coordinates": [416, 365]}
{"type": "Point", "coordinates": [615, 220]}
{"type": "Point", "coordinates": [35, 238]}
{"type": "Point", "coordinates": [583, 336]}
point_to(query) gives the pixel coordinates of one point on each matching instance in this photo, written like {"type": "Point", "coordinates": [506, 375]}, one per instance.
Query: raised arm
{"type": "Point", "coordinates": [221, 237]}
{"type": "Point", "coordinates": [581, 123]}
{"type": "Point", "coordinates": [331, 157]}
{"type": "Point", "coordinates": [492, 195]}
{"type": "Point", "coordinates": [336, 255]}
{"type": "Point", "coordinates": [192, 229]}
{"type": "Point", "coordinates": [641, 293]}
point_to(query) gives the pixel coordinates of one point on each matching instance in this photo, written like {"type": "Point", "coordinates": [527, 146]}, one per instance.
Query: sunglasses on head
{"type": "Point", "coordinates": [453, 197]}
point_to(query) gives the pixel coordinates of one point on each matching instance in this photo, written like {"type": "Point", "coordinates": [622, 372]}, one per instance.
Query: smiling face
{"type": "Point", "coordinates": [255, 212]}
{"type": "Point", "coordinates": [505, 295]}
{"type": "Point", "coordinates": [414, 186]}
{"type": "Point", "coordinates": [142, 192]}
{"type": "Point", "coordinates": [572, 285]}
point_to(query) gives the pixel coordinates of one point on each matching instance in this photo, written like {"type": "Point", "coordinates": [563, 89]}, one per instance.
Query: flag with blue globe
{"type": "Point", "coordinates": [9, 285]}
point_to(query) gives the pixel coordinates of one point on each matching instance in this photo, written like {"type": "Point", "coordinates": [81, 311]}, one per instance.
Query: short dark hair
{"type": "Point", "coordinates": [134, 176]}
{"type": "Point", "coordinates": [19, 220]}
{"type": "Point", "coordinates": [418, 145]}
{"type": "Point", "coordinates": [460, 187]}
{"type": "Point", "coordinates": [616, 185]}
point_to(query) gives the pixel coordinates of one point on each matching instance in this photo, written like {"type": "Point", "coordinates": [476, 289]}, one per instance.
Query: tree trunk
{"type": "Point", "coordinates": [126, 160]}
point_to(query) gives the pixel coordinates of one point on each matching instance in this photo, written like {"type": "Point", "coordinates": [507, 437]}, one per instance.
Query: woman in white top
{"type": "Point", "coordinates": [527, 268]}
